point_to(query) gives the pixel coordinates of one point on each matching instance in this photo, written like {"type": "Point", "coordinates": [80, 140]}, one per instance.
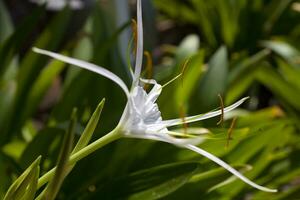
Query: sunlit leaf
{"type": "Point", "coordinates": [25, 183]}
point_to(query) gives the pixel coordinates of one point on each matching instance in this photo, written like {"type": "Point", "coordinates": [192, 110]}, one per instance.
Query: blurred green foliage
{"type": "Point", "coordinates": [236, 48]}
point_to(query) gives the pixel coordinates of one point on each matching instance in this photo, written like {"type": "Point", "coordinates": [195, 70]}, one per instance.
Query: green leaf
{"type": "Point", "coordinates": [42, 144]}
{"type": "Point", "coordinates": [272, 140]}
{"type": "Point", "coordinates": [76, 91]}
{"type": "Point", "coordinates": [62, 165]}
{"type": "Point", "coordinates": [8, 167]}
{"type": "Point", "coordinates": [203, 10]}
{"type": "Point", "coordinates": [228, 16]}
{"type": "Point", "coordinates": [14, 149]}
{"type": "Point", "coordinates": [27, 188]}
{"type": "Point", "coordinates": [32, 64]}
{"type": "Point", "coordinates": [286, 92]}
{"type": "Point", "coordinates": [242, 75]}
{"type": "Point", "coordinates": [148, 184]}
{"type": "Point", "coordinates": [277, 9]}
{"type": "Point", "coordinates": [32, 188]}
{"type": "Point", "coordinates": [7, 93]}
{"type": "Point", "coordinates": [262, 116]}
{"type": "Point", "coordinates": [239, 87]}
{"type": "Point", "coordinates": [12, 45]}
{"type": "Point", "coordinates": [90, 128]}
{"type": "Point", "coordinates": [86, 136]}
{"type": "Point", "coordinates": [214, 81]}
{"type": "Point", "coordinates": [247, 65]}
{"type": "Point", "coordinates": [40, 87]}
{"type": "Point", "coordinates": [190, 77]}
{"type": "Point", "coordinates": [289, 72]}
{"type": "Point", "coordinates": [187, 48]}
{"type": "Point", "coordinates": [205, 181]}
{"type": "Point", "coordinates": [5, 23]}
{"type": "Point", "coordinates": [285, 50]}
{"type": "Point", "coordinates": [26, 183]}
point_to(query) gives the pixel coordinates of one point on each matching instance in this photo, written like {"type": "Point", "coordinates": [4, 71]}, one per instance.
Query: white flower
{"type": "Point", "coordinates": [56, 5]}
{"type": "Point", "coordinates": [141, 117]}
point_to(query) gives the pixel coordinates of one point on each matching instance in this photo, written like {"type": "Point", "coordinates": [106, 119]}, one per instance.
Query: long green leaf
{"type": "Point", "coordinates": [25, 182]}
{"type": "Point", "coordinates": [62, 165]}
{"type": "Point", "coordinates": [12, 45]}
{"type": "Point", "coordinates": [214, 81]}
{"type": "Point", "coordinates": [90, 128]}
{"type": "Point", "coordinates": [278, 86]}
{"type": "Point", "coordinates": [39, 89]}
{"type": "Point", "coordinates": [32, 64]}
{"type": "Point", "coordinates": [285, 50]}
{"type": "Point", "coordinates": [149, 184]}
{"type": "Point", "coordinates": [5, 23]}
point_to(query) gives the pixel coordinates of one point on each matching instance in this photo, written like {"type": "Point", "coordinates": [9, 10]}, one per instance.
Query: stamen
{"type": "Point", "coordinates": [172, 80]}
{"type": "Point", "coordinates": [230, 131]}
{"type": "Point", "coordinates": [135, 34]}
{"type": "Point", "coordinates": [184, 69]}
{"type": "Point", "coordinates": [222, 110]}
{"type": "Point", "coordinates": [182, 116]}
{"type": "Point", "coordinates": [149, 64]}
{"type": "Point", "coordinates": [179, 75]}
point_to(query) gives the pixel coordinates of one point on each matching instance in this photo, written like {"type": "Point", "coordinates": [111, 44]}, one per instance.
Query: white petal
{"type": "Point", "coordinates": [173, 122]}
{"type": "Point", "coordinates": [186, 141]}
{"type": "Point", "coordinates": [149, 81]}
{"type": "Point", "coordinates": [85, 65]}
{"type": "Point", "coordinates": [227, 167]}
{"type": "Point", "coordinates": [155, 91]}
{"type": "Point", "coordinates": [139, 51]}
{"type": "Point", "coordinates": [146, 137]}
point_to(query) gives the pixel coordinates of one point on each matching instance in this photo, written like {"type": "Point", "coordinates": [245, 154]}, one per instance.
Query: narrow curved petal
{"type": "Point", "coordinates": [139, 51]}
{"type": "Point", "coordinates": [173, 122]}
{"type": "Point", "coordinates": [85, 65]}
{"type": "Point", "coordinates": [182, 143]}
{"type": "Point", "coordinates": [227, 167]}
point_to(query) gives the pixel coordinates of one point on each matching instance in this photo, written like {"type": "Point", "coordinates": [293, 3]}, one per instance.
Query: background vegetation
{"type": "Point", "coordinates": [236, 48]}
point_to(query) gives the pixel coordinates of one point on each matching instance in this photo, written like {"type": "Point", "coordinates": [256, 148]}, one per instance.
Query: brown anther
{"type": "Point", "coordinates": [230, 131]}
{"type": "Point", "coordinates": [149, 67]}
{"type": "Point", "coordinates": [222, 110]}
{"type": "Point", "coordinates": [149, 64]}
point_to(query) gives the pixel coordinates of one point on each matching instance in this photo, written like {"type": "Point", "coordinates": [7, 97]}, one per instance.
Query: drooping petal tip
{"type": "Point", "coordinates": [227, 167]}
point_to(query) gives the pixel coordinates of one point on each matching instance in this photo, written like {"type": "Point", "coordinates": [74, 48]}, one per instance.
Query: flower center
{"type": "Point", "coordinates": [143, 115]}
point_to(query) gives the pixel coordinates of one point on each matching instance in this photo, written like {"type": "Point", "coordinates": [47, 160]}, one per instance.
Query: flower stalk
{"type": "Point", "coordinates": [84, 152]}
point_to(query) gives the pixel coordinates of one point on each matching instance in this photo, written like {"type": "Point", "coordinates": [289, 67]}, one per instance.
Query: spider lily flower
{"type": "Point", "coordinates": [141, 117]}
{"type": "Point", "coordinates": [57, 5]}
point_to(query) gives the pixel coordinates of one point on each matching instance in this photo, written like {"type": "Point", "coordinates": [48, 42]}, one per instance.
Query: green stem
{"type": "Point", "coordinates": [108, 138]}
